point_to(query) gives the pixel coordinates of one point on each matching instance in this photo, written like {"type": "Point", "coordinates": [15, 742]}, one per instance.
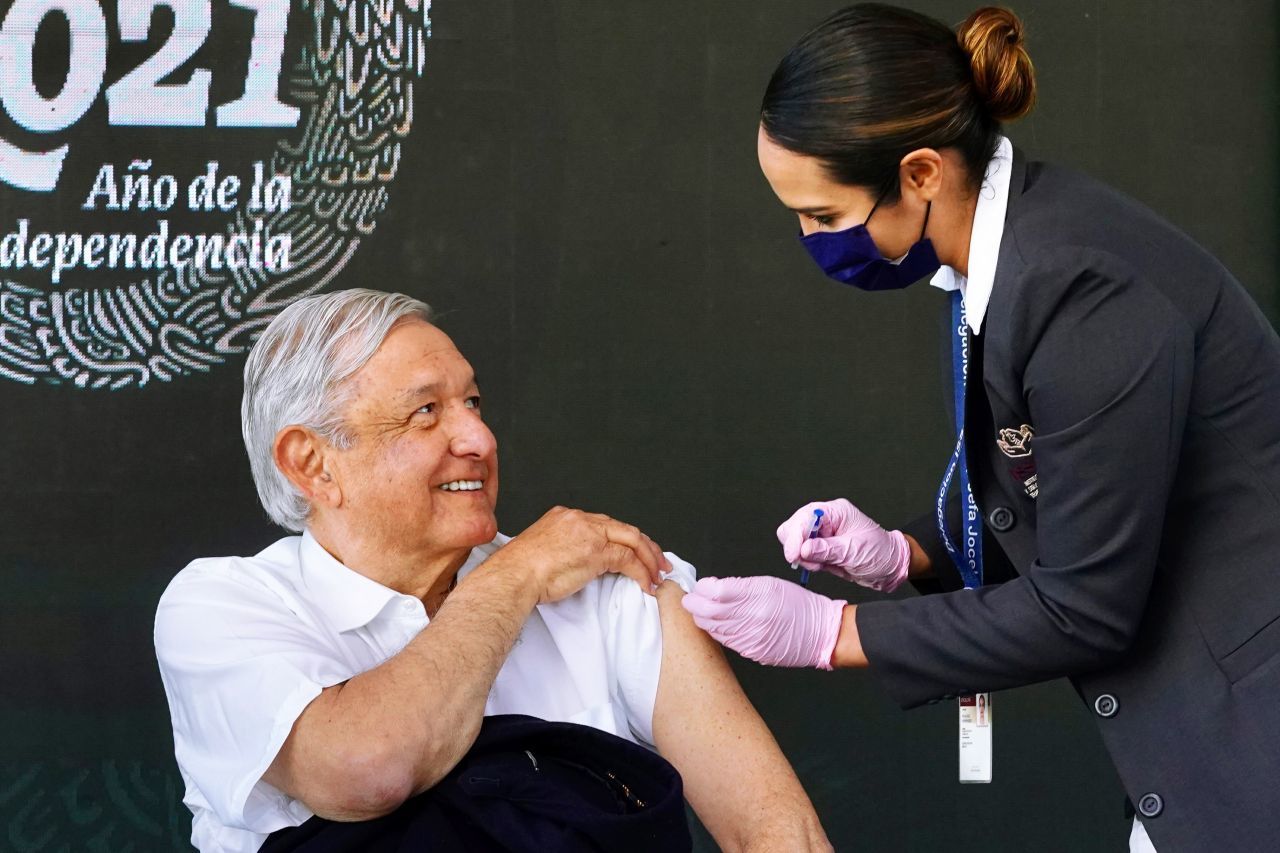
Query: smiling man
{"type": "Point", "coordinates": [341, 672]}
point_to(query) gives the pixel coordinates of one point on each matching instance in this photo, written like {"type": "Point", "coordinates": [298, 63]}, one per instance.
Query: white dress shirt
{"type": "Point", "coordinates": [984, 240]}
{"type": "Point", "coordinates": [245, 643]}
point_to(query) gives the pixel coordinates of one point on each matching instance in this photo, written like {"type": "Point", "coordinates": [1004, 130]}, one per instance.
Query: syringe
{"type": "Point", "coordinates": [813, 531]}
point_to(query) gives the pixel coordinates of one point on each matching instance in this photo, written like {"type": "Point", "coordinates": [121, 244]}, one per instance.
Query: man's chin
{"type": "Point", "coordinates": [490, 531]}
{"type": "Point", "coordinates": [480, 532]}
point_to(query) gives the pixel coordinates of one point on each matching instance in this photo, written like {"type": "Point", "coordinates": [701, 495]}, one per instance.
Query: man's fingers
{"type": "Point", "coordinates": [621, 533]}
{"type": "Point", "coordinates": [658, 558]}
{"type": "Point", "coordinates": [622, 560]}
{"type": "Point", "coordinates": [645, 551]}
{"type": "Point", "coordinates": [664, 565]}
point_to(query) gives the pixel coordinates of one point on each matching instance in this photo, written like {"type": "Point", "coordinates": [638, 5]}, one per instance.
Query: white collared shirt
{"type": "Point", "coordinates": [984, 240]}
{"type": "Point", "coordinates": [246, 643]}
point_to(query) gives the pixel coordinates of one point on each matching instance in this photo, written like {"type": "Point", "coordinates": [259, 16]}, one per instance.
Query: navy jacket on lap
{"type": "Point", "coordinates": [526, 785]}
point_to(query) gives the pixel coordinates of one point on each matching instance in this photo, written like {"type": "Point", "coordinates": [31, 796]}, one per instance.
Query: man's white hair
{"type": "Point", "coordinates": [297, 373]}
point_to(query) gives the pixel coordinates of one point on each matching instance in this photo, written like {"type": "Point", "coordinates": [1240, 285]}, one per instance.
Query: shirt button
{"type": "Point", "coordinates": [1002, 519]}
{"type": "Point", "coordinates": [1106, 705]}
{"type": "Point", "coordinates": [1150, 805]}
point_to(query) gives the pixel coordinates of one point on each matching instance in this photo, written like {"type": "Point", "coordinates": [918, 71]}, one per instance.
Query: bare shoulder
{"type": "Point", "coordinates": [683, 638]}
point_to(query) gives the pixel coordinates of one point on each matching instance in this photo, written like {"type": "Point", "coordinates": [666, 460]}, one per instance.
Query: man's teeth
{"type": "Point", "coordinates": [463, 485]}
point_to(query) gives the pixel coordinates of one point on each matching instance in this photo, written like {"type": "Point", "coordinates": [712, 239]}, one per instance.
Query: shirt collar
{"type": "Point", "coordinates": [984, 241]}
{"type": "Point", "coordinates": [348, 598]}
{"type": "Point", "coordinates": [352, 600]}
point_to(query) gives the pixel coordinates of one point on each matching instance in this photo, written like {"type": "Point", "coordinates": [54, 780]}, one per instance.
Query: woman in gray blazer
{"type": "Point", "coordinates": [1118, 450]}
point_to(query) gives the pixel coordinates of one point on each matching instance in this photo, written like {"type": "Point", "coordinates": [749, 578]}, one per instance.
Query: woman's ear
{"type": "Point", "coordinates": [301, 456]}
{"type": "Point", "coordinates": [920, 174]}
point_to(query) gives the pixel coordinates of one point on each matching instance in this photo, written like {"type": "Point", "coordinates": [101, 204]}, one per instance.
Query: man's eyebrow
{"type": "Point", "coordinates": [430, 388]}
{"type": "Point", "coordinates": [420, 391]}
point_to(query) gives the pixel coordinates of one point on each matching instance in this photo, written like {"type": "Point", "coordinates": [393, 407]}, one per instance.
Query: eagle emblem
{"type": "Point", "coordinates": [354, 83]}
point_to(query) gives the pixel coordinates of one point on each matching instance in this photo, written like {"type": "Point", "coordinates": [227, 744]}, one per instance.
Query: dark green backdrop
{"type": "Point", "coordinates": [580, 201]}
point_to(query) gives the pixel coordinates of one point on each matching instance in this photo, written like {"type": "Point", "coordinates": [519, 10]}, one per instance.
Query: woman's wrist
{"type": "Point", "coordinates": [848, 653]}
{"type": "Point", "coordinates": [920, 566]}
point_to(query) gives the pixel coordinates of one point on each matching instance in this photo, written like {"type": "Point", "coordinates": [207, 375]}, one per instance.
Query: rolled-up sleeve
{"type": "Point", "coordinates": [1107, 379]}
{"type": "Point", "coordinates": [238, 669]}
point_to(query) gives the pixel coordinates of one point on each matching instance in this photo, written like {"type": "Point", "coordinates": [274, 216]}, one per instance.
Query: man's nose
{"type": "Point", "coordinates": [471, 436]}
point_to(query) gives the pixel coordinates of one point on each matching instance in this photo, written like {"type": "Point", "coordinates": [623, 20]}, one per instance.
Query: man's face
{"type": "Point", "coordinates": [422, 475]}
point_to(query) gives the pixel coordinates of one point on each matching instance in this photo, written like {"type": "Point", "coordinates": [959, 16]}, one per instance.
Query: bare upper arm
{"type": "Point", "coordinates": [735, 775]}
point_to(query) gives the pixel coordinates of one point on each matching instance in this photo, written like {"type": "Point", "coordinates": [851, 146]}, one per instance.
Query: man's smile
{"type": "Point", "coordinates": [462, 486]}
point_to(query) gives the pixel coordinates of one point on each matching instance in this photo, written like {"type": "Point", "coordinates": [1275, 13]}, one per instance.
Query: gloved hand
{"type": "Point", "coordinates": [848, 545]}
{"type": "Point", "coordinates": [769, 620]}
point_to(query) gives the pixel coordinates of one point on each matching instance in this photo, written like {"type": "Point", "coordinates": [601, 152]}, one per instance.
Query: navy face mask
{"type": "Point", "coordinates": [851, 257]}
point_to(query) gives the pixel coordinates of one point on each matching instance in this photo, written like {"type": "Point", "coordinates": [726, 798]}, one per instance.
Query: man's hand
{"type": "Point", "coordinates": [567, 548]}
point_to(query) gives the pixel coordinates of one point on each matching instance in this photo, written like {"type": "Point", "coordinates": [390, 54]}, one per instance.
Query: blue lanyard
{"type": "Point", "coordinates": [968, 562]}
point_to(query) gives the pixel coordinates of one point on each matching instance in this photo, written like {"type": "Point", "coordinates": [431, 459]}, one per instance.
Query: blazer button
{"type": "Point", "coordinates": [1106, 705]}
{"type": "Point", "coordinates": [1150, 805]}
{"type": "Point", "coordinates": [1002, 519]}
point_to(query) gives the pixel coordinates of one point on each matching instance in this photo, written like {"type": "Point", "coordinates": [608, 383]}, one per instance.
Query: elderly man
{"type": "Point", "coordinates": [343, 671]}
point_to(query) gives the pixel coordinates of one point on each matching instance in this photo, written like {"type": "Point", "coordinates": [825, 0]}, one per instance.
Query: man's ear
{"type": "Point", "coordinates": [921, 173]}
{"type": "Point", "coordinates": [300, 455]}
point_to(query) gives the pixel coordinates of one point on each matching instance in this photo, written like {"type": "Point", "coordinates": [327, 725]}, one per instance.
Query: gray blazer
{"type": "Point", "coordinates": [1123, 430]}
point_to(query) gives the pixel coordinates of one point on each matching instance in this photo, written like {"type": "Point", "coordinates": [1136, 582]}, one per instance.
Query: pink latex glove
{"type": "Point", "coordinates": [848, 545]}
{"type": "Point", "coordinates": [769, 620]}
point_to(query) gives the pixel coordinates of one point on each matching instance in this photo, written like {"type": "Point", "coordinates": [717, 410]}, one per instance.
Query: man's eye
{"type": "Point", "coordinates": [473, 402]}
{"type": "Point", "coordinates": [428, 409]}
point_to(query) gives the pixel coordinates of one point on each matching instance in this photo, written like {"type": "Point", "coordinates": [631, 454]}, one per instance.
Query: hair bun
{"type": "Point", "coordinates": [1003, 75]}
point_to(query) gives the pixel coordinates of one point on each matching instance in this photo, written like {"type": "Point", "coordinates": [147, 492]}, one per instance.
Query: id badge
{"type": "Point", "coordinates": [975, 738]}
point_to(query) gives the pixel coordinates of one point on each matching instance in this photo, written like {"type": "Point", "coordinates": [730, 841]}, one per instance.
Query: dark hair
{"type": "Point", "coordinates": [872, 83]}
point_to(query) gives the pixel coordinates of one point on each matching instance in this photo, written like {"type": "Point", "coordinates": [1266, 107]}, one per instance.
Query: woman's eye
{"type": "Point", "coordinates": [823, 221]}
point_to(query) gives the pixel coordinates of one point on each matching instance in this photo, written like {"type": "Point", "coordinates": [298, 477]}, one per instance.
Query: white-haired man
{"type": "Point", "coordinates": [340, 672]}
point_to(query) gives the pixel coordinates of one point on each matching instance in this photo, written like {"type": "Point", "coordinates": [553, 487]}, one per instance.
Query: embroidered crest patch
{"type": "Point", "coordinates": [1016, 442]}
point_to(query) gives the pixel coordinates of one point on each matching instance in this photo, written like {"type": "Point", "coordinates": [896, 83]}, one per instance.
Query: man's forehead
{"type": "Point", "coordinates": [460, 381]}
{"type": "Point", "coordinates": [415, 357]}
